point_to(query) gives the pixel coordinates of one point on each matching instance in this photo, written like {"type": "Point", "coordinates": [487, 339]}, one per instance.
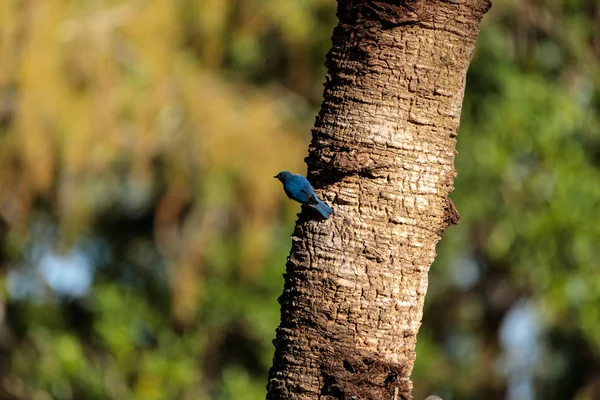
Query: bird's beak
{"type": "Point", "coordinates": [275, 176]}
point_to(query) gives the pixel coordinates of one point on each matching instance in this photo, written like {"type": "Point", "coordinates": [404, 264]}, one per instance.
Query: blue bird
{"type": "Point", "coordinates": [299, 188]}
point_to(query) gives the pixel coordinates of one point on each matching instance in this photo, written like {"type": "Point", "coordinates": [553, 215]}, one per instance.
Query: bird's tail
{"type": "Point", "coordinates": [323, 208]}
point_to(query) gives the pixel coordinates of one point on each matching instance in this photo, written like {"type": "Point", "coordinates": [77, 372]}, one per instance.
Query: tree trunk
{"type": "Point", "coordinates": [382, 154]}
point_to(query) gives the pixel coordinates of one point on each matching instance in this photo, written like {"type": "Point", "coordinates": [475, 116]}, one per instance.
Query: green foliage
{"type": "Point", "coordinates": [137, 142]}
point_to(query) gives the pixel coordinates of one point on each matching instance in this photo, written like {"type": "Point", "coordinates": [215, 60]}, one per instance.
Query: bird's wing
{"type": "Point", "coordinates": [307, 189]}
{"type": "Point", "coordinates": [312, 199]}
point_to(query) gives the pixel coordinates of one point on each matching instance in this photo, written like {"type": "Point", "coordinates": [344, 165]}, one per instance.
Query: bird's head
{"type": "Point", "coordinates": [283, 176]}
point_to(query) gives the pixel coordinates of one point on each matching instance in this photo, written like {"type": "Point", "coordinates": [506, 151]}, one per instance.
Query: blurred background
{"type": "Point", "coordinates": [143, 238]}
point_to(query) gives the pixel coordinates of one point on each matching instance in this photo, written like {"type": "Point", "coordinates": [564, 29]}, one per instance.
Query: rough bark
{"type": "Point", "coordinates": [383, 154]}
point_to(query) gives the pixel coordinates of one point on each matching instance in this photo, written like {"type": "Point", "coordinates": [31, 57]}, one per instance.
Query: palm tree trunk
{"type": "Point", "coordinates": [383, 155]}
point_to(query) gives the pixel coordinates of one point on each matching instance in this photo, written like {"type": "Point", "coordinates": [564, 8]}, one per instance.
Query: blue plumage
{"type": "Point", "coordinates": [299, 188]}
